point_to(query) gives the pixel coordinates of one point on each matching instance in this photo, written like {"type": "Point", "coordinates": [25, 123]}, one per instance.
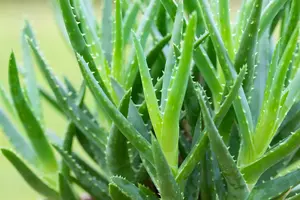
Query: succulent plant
{"type": "Point", "coordinates": [188, 105]}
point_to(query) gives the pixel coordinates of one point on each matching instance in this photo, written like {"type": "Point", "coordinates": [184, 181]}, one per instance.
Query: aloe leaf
{"type": "Point", "coordinates": [107, 27]}
{"type": "Point", "coordinates": [133, 116]}
{"type": "Point", "coordinates": [116, 194]}
{"type": "Point", "coordinates": [143, 32]}
{"type": "Point", "coordinates": [231, 96]}
{"type": "Point", "coordinates": [134, 137]}
{"type": "Point", "coordinates": [275, 187]}
{"type": "Point", "coordinates": [128, 188]}
{"type": "Point", "coordinates": [201, 142]}
{"type": "Point", "coordinates": [51, 100]}
{"type": "Point", "coordinates": [167, 185]}
{"type": "Point", "coordinates": [78, 41]}
{"type": "Point", "coordinates": [241, 106]}
{"type": "Point", "coordinates": [17, 140]}
{"type": "Point", "coordinates": [116, 151]}
{"type": "Point", "coordinates": [66, 191]}
{"type": "Point", "coordinates": [237, 188]}
{"type": "Point", "coordinates": [191, 105]}
{"type": "Point", "coordinates": [292, 24]}
{"type": "Point", "coordinates": [295, 197]}
{"type": "Point", "coordinates": [59, 20]}
{"type": "Point", "coordinates": [171, 7]}
{"type": "Point", "coordinates": [249, 40]}
{"type": "Point", "coordinates": [209, 73]}
{"type": "Point", "coordinates": [192, 188]}
{"type": "Point", "coordinates": [29, 176]}
{"type": "Point", "coordinates": [96, 134]}
{"type": "Point", "coordinates": [117, 60]}
{"type": "Point", "coordinates": [129, 21]}
{"type": "Point", "coordinates": [31, 124]}
{"type": "Point", "coordinates": [171, 60]}
{"type": "Point", "coordinates": [256, 93]}
{"type": "Point", "coordinates": [175, 98]}
{"type": "Point", "coordinates": [201, 39]}
{"type": "Point", "coordinates": [156, 50]}
{"type": "Point", "coordinates": [274, 155]}
{"type": "Point", "coordinates": [296, 65]}
{"type": "Point", "coordinates": [268, 119]}
{"type": "Point", "coordinates": [225, 26]}
{"type": "Point", "coordinates": [96, 187]}
{"type": "Point", "coordinates": [150, 96]}
{"type": "Point", "coordinates": [8, 103]}
{"type": "Point", "coordinates": [269, 13]}
{"type": "Point", "coordinates": [30, 77]}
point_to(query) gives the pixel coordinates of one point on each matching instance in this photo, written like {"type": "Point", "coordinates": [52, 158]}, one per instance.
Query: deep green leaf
{"type": "Point", "coordinates": [134, 137]}
{"type": "Point", "coordinates": [31, 124]}
{"type": "Point", "coordinates": [275, 187]}
{"type": "Point", "coordinates": [66, 191]}
{"type": "Point", "coordinates": [167, 185]}
{"type": "Point", "coordinates": [117, 155]}
{"type": "Point", "coordinates": [96, 187]}
{"type": "Point", "coordinates": [237, 188]}
{"type": "Point", "coordinates": [29, 176]}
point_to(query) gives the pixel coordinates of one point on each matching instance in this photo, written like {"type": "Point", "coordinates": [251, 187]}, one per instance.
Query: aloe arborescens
{"type": "Point", "coordinates": [192, 107]}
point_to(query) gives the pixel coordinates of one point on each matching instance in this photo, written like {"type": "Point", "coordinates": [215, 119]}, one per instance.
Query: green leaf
{"type": "Point", "coordinates": [31, 124]}
{"type": "Point", "coordinates": [201, 39]}
{"type": "Point", "coordinates": [269, 13]}
{"type": "Point", "coordinates": [117, 61]}
{"type": "Point", "coordinates": [241, 106]}
{"type": "Point", "coordinates": [147, 192]}
{"type": "Point", "coordinates": [149, 92]}
{"type": "Point", "coordinates": [237, 188]}
{"type": "Point", "coordinates": [107, 27]}
{"type": "Point", "coordinates": [94, 132]}
{"type": "Point", "coordinates": [275, 187]}
{"type": "Point", "coordinates": [29, 176]}
{"type": "Point", "coordinates": [128, 130]}
{"type": "Point", "coordinates": [17, 140]}
{"type": "Point", "coordinates": [230, 97]}
{"type": "Point", "coordinates": [117, 156]}
{"type": "Point", "coordinates": [170, 129]}
{"type": "Point", "coordinates": [66, 191]}
{"type": "Point", "coordinates": [157, 49]}
{"type": "Point", "coordinates": [78, 41]}
{"type": "Point", "coordinates": [249, 38]}
{"type": "Point", "coordinates": [116, 194]}
{"type": "Point", "coordinates": [171, 59]}
{"type": "Point", "coordinates": [253, 171]}
{"type": "Point", "coordinates": [133, 116]}
{"type": "Point", "coordinates": [292, 24]}
{"type": "Point", "coordinates": [225, 26]}
{"type": "Point", "coordinates": [51, 100]}
{"type": "Point", "coordinates": [129, 21]}
{"type": "Point", "coordinates": [143, 33]}
{"type": "Point", "coordinates": [170, 6]}
{"type": "Point", "coordinates": [268, 120]}
{"type": "Point", "coordinates": [167, 185]}
{"type": "Point", "coordinates": [30, 78]}
{"type": "Point", "coordinates": [201, 142]}
{"type": "Point", "coordinates": [94, 186]}
{"type": "Point", "coordinates": [127, 188]}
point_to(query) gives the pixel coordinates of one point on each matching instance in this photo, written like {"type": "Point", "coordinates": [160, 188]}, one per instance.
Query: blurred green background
{"type": "Point", "coordinates": [40, 15]}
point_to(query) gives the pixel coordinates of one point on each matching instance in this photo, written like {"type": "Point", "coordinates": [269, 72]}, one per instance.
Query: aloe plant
{"type": "Point", "coordinates": [189, 105]}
